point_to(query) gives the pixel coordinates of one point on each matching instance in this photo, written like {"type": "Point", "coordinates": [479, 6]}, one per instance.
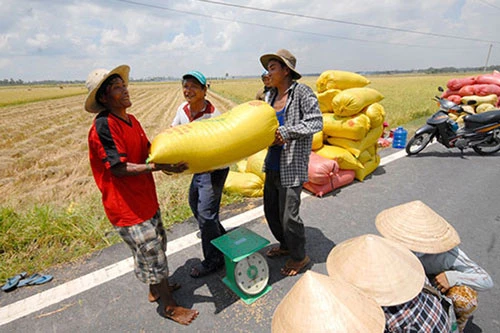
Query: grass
{"type": "Point", "coordinates": [57, 226]}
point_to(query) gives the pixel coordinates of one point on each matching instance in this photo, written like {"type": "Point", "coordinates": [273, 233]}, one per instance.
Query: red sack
{"type": "Point", "coordinates": [342, 178]}
{"type": "Point", "coordinates": [486, 89]}
{"type": "Point", "coordinates": [457, 84]}
{"type": "Point", "coordinates": [467, 91]}
{"type": "Point", "coordinates": [449, 92]}
{"type": "Point", "coordinates": [488, 79]}
{"type": "Point", "coordinates": [321, 169]}
{"type": "Point", "coordinates": [457, 99]}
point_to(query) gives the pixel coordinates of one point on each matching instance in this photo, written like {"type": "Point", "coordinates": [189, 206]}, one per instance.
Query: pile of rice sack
{"type": "Point", "coordinates": [352, 121]}
{"type": "Point", "coordinates": [483, 90]}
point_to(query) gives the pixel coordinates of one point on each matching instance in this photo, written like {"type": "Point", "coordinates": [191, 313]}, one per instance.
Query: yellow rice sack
{"type": "Point", "coordinates": [246, 184]}
{"type": "Point", "coordinates": [325, 99]}
{"type": "Point", "coordinates": [352, 101]}
{"type": "Point", "coordinates": [485, 107]}
{"type": "Point", "coordinates": [365, 156]}
{"type": "Point", "coordinates": [353, 127]}
{"type": "Point", "coordinates": [334, 79]}
{"type": "Point", "coordinates": [490, 99]}
{"type": "Point", "coordinates": [318, 139]}
{"type": "Point", "coordinates": [369, 167]}
{"type": "Point", "coordinates": [343, 157]}
{"type": "Point", "coordinates": [376, 113]}
{"type": "Point", "coordinates": [255, 163]}
{"type": "Point", "coordinates": [217, 142]}
{"type": "Point", "coordinates": [241, 166]}
{"type": "Point", "coordinates": [356, 147]}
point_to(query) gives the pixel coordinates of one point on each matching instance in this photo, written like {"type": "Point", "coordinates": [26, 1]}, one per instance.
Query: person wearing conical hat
{"type": "Point", "coordinates": [435, 242]}
{"type": "Point", "coordinates": [287, 159]}
{"type": "Point", "coordinates": [319, 303]}
{"type": "Point", "coordinates": [394, 277]}
{"type": "Point", "coordinates": [118, 149]}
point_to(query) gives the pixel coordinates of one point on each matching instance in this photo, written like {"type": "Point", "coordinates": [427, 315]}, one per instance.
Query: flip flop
{"type": "Point", "coordinates": [25, 282]}
{"type": "Point", "coordinates": [12, 282]}
{"type": "Point", "coordinates": [41, 280]}
{"type": "Point", "coordinates": [277, 252]}
{"type": "Point", "coordinates": [293, 268]}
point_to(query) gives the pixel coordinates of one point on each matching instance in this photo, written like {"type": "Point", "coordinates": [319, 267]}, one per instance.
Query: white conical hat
{"type": "Point", "coordinates": [384, 269]}
{"type": "Point", "coordinates": [418, 227]}
{"type": "Point", "coordinates": [318, 303]}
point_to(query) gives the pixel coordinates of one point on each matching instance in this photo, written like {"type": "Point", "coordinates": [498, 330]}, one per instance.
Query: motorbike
{"type": "Point", "coordinates": [481, 132]}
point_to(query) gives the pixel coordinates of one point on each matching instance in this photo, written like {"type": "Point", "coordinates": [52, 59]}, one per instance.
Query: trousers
{"type": "Point", "coordinates": [281, 209]}
{"type": "Point", "coordinates": [205, 194]}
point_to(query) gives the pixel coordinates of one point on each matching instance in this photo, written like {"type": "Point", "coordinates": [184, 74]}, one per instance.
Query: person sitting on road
{"type": "Point", "coordinates": [118, 149]}
{"type": "Point", "coordinates": [435, 242]}
{"type": "Point", "coordinates": [394, 277]}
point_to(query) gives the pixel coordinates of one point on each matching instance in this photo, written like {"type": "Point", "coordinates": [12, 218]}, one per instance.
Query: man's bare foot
{"type": "Point", "coordinates": [181, 315]}
{"type": "Point", "coordinates": [154, 294]}
{"type": "Point", "coordinates": [293, 268]}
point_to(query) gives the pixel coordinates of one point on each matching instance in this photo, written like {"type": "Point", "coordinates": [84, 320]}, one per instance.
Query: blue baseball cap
{"type": "Point", "coordinates": [197, 75]}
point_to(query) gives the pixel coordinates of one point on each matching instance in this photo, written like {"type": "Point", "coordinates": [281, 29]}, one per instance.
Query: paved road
{"type": "Point", "coordinates": [102, 294]}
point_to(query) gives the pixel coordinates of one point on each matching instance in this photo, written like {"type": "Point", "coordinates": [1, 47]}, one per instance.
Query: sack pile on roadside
{"type": "Point", "coordinates": [476, 94]}
{"type": "Point", "coordinates": [352, 122]}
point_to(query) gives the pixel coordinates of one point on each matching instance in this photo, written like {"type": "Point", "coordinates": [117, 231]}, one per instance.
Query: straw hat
{"type": "Point", "coordinates": [94, 81]}
{"type": "Point", "coordinates": [318, 303]}
{"type": "Point", "coordinates": [383, 269]}
{"type": "Point", "coordinates": [286, 57]}
{"type": "Point", "coordinates": [418, 227]}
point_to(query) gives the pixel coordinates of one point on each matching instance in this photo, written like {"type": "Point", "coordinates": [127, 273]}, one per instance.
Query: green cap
{"type": "Point", "coordinates": [197, 75]}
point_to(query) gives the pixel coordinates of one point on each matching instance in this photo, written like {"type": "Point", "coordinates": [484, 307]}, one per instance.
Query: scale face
{"type": "Point", "coordinates": [252, 274]}
{"type": "Point", "coordinates": [247, 272]}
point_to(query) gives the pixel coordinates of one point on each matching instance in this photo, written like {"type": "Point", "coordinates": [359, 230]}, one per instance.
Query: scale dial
{"type": "Point", "coordinates": [251, 274]}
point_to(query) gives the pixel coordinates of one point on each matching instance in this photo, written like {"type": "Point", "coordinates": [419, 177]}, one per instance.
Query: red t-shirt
{"type": "Point", "coordinates": [127, 200]}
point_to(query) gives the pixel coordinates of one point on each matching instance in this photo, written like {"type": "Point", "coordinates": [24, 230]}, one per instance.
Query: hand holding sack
{"type": "Point", "coordinates": [217, 142]}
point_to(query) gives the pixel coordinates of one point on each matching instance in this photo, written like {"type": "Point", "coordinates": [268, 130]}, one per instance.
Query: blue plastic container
{"type": "Point", "coordinates": [399, 139]}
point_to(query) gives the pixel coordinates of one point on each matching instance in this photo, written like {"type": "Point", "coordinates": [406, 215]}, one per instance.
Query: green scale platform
{"type": "Point", "coordinates": [247, 272]}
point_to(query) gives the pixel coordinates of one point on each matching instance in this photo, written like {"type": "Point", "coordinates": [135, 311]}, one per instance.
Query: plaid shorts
{"type": "Point", "coordinates": [148, 243]}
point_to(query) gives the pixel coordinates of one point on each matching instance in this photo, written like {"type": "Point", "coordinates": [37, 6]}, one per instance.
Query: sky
{"type": "Point", "coordinates": [67, 39]}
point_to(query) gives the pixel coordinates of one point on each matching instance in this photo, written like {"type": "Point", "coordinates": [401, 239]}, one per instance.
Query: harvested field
{"type": "Point", "coordinates": [44, 154]}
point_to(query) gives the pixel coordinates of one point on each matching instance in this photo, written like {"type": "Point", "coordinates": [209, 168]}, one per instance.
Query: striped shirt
{"type": "Point", "coordinates": [302, 119]}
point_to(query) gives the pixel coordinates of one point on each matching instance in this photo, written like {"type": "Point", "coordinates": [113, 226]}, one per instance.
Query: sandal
{"type": "Point", "coordinates": [199, 271]}
{"type": "Point", "coordinates": [293, 267]}
{"type": "Point", "coordinates": [277, 252]}
{"type": "Point", "coordinates": [12, 282]}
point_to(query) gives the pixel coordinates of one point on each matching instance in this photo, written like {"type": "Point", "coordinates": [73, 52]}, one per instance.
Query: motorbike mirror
{"type": "Point", "coordinates": [440, 89]}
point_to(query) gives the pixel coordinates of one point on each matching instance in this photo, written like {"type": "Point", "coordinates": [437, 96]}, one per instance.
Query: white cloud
{"type": "Point", "coordinates": [66, 39]}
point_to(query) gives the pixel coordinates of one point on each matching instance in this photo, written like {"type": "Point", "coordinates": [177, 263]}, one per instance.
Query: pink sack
{"type": "Point", "coordinates": [342, 178]}
{"type": "Point", "coordinates": [488, 79]}
{"type": "Point", "coordinates": [467, 91]}
{"type": "Point", "coordinates": [321, 169]}
{"type": "Point", "coordinates": [449, 92]}
{"type": "Point", "coordinates": [457, 84]}
{"type": "Point", "coordinates": [486, 89]}
{"type": "Point", "coordinates": [457, 99]}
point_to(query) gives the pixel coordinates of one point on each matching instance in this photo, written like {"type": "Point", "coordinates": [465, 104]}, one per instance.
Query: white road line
{"type": "Point", "coordinates": [24, 307]}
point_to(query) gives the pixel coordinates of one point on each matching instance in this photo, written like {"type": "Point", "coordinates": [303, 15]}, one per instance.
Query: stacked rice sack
{"type": "Point", "coordinates": [483, 90]}
{"type": "Point", "coordinates": [248, 179]}
{"type": "Point", "coordinates": [325, 176]}
{"type": "Point", "coordinates": [352, 121]}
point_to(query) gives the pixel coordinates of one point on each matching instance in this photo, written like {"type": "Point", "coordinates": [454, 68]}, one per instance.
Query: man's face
{"type": "Point", "coordinates": [193, 91]}
{"type": "Point", "coordinates": [266, 80]}
{"type": "Point", "coordinates": [277, 72]}
{"type": "Point", "coordinates": [116, 96]}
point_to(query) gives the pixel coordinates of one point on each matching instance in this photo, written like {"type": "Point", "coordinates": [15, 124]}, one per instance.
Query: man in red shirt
{"type": "Point", "coordinates": [118, 149]}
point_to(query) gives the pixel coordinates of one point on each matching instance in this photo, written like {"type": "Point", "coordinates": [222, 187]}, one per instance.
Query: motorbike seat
{"type": "Point", "coordinates": [484, 118]}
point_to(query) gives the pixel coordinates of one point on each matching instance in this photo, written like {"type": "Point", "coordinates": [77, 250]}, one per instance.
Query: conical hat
{"type": "Point", "coordinates": [318, 303]}
{"type": "Point", "coordinates": [418, 227]}
{"type": "Point", "coordinates": [383, 269]}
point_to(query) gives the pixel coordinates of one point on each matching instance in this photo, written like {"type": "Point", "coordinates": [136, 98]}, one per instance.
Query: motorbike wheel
{"type": "Point", "coordinates": [418, 143]}
{"type": "Point", "coordinates": [489, 147]}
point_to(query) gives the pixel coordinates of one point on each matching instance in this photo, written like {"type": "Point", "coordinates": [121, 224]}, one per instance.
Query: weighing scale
{"type": "Point", "coordinates": [247, 272]}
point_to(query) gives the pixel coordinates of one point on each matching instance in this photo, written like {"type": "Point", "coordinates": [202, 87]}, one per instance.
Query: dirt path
{"type": "Point", "coordinates": [44, 153]}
